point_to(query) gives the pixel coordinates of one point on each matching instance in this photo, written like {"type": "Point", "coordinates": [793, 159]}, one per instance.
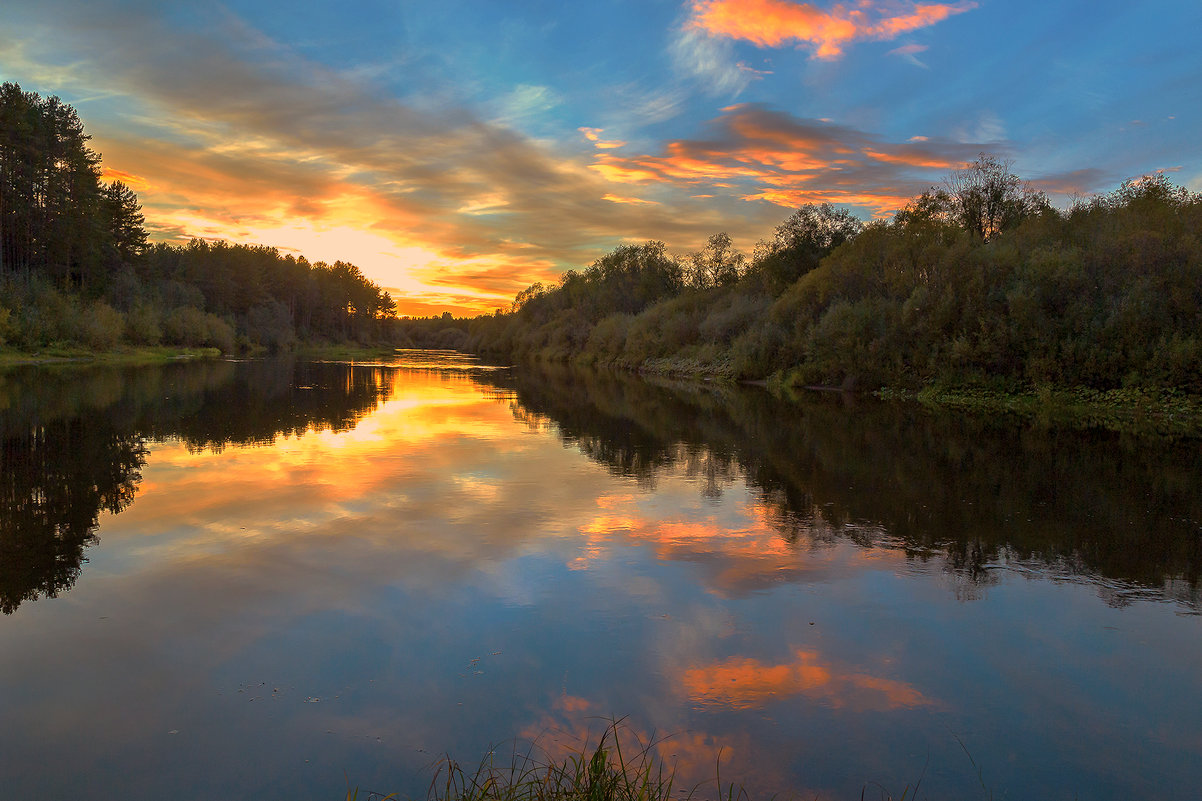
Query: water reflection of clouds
{"type": "Point", "coordinates": [443, 524]}
{"type": "Point", "coordinates": [572, 725]}
{"type": "Point", "coordinates": [737, 543]}
{"type": "Point", "coordinates": [748, 683]}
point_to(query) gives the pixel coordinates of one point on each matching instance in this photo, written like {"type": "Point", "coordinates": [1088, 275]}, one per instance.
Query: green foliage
{"type": "Point", "coordinates": [50, 193]}
{"type": "Point", "coordinates": [270, 324]}
{"type": "Point", "coordinates": [192, 327]}
{"type": "Point", "coordinates": [102, 326]}
{"type": "Point", "coordinates": [608, 337]}
{"type": "Point", "coordinates": [801, 241]}
{"type": "Point", "coordinates": [43, 314]}
{"type": "Point", "coordinates": [975, 284]}
{"type": "Point", "coordinates": [142, 325]}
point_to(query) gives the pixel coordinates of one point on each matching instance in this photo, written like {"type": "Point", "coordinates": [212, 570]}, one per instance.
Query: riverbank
{"type": "Point", "coordinates": [1155, 412]}
{"type": "Point", "coordinates": [1136, 410]}
{"type": "Point", "coordinates": [68, 354]}
{"type": "Point", "coordinates": [123, 355]}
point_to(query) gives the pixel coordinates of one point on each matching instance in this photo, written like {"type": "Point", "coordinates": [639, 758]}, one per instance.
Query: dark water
{"type": "Point", "coordinates": [264, 579]}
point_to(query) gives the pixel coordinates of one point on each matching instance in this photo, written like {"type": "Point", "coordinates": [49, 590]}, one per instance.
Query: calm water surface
{"type": "Point", "coordinates": [261, 580]}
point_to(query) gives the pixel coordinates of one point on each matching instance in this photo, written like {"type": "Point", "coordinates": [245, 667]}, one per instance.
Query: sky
{"type": "Point", "coordinates": [459, 151]}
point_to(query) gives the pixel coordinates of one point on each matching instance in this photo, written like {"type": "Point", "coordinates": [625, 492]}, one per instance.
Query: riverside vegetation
{"type": "Point", "coordinates": [977, 293]}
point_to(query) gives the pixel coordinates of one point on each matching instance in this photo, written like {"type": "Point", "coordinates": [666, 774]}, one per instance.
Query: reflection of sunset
{"type": "Point", "coordinates": [573, 726]}
{"type": "Point", "coordinates": [428, 422]}
{"type": "Point", "coordinates": [747, 551]}
{"type": "Point", "coordinates": [747, 683]}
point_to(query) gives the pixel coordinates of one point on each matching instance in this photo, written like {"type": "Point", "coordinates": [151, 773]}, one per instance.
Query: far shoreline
{"type": "Point", "coordinates": [1141, 411]}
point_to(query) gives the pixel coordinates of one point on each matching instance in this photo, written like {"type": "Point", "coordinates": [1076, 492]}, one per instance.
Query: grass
{"type": "Point", "coordinates": [610, 770]}
{"type": "Point", "coordinates": [57, 354]}
{"type": "Point", "coordinates": [129, 354]}
{"type": "Point", "coordinates": [606, 771]}
{"type": "Point", "coordinates": [1162, 412]}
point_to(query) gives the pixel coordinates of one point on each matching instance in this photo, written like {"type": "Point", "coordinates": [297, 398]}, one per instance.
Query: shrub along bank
{"type": "Point", "coordinates": [981, 285]}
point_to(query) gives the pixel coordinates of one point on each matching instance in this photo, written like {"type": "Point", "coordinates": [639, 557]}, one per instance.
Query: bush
{"type": "Point", "coordinates": [219, 334]}
{"type": "Point", "coordinates": [608, 338]}
{"type": "Point", "coordinates": [193, 328]}
{"type": "Point", "coordinates": [142, 325]}
{"type": "Point", "coordinates": [102, 327]}
{"type": "Point", "coordinates": [44, 315]}
{"type": "Point", "coordinates": [7, 327]}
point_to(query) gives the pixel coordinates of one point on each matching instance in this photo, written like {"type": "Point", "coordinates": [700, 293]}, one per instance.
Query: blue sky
{"type": "Point", "coordinates": [458, 151]}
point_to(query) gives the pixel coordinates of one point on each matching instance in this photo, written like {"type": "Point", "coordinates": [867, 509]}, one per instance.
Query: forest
{"type": "Point", "coordinates": [978, 282]}
{"type": "Point", "coordinates": [77, 269]}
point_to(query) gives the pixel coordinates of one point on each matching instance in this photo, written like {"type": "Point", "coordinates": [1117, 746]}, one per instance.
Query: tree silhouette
{"type": "Point", "coordinates": [986, 198]}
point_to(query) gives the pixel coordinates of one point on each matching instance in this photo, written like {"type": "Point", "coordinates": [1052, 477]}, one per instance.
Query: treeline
{"type": "Point", "coordinates": [980, 281]}
{"type": "Point", "coordinates": [76, 267]}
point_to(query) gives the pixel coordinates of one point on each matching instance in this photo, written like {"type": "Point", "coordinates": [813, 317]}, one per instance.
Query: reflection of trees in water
{"type": "Point", "coordinates": [972, 494]}
{"type": "Point", "coordinates": [72, 443]}
{"type": "Point", "coordinates": [54, 481]}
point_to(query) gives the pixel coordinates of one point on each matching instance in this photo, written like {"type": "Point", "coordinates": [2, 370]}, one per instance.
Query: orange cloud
{"type": "Point", "coordinates": [135, 182]}
{"type": "Point", "coordinates": [766, 155]}
{"type": "Point", "coordinates": [594, 136]}
{"type": "Point", "coordinates": [773, 23]}
{"type": "Point", "coordinates": [915, 159]}
{"type": "Point", "coordinates": [635, 200]}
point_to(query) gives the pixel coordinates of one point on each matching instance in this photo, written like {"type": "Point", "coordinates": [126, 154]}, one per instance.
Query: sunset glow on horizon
{"type": "Point", "coordinates": [458, 153]}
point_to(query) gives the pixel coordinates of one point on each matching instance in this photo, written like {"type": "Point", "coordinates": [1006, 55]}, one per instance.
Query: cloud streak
{"type": "Point", "coordinates": [757, 153]}
{"type": "Point", "coordinates": [777, 23]}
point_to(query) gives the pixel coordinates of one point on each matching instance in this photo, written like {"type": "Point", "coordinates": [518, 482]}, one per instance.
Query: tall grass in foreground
{"type": "Point", "coordinates": [606, 771]}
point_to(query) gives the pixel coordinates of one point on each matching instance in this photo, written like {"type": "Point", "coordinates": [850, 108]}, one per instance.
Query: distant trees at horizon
{"type": "Point", "coordinates": [76, 266]}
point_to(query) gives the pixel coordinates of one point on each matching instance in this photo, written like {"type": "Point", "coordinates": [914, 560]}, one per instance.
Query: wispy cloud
{"type": "Point", "coordinates": [776, 23]}
{"type": "Point", "coordinates": [710, 61]}
{"type": "Point", "coordinates": [524, 101]}
{"type": "Point", "coordinates": [910, 53]}
{"type": "Point", "coordinates": [1074, 183]}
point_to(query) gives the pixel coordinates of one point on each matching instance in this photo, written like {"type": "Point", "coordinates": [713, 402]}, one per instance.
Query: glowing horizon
{"type": "Point", "coordinates": [457, 156]}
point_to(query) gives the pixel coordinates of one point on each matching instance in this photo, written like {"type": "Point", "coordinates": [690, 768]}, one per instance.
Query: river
{"type": "Point", "coordinates": [278, 579]}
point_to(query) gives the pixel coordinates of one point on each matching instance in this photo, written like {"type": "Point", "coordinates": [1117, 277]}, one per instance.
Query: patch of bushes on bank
{"type": "Point", "coordinates": [1106, 295]}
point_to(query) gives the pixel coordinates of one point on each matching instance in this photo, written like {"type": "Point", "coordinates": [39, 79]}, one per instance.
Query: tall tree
{"type": "Point", "coordinates": [50, 194]}
{"type": "Point", "coordinates": [987, 198]}
{"type": "Point", "coordinates": [801, 241]}
{"type": "Point", "coordinates": [123, 215]}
